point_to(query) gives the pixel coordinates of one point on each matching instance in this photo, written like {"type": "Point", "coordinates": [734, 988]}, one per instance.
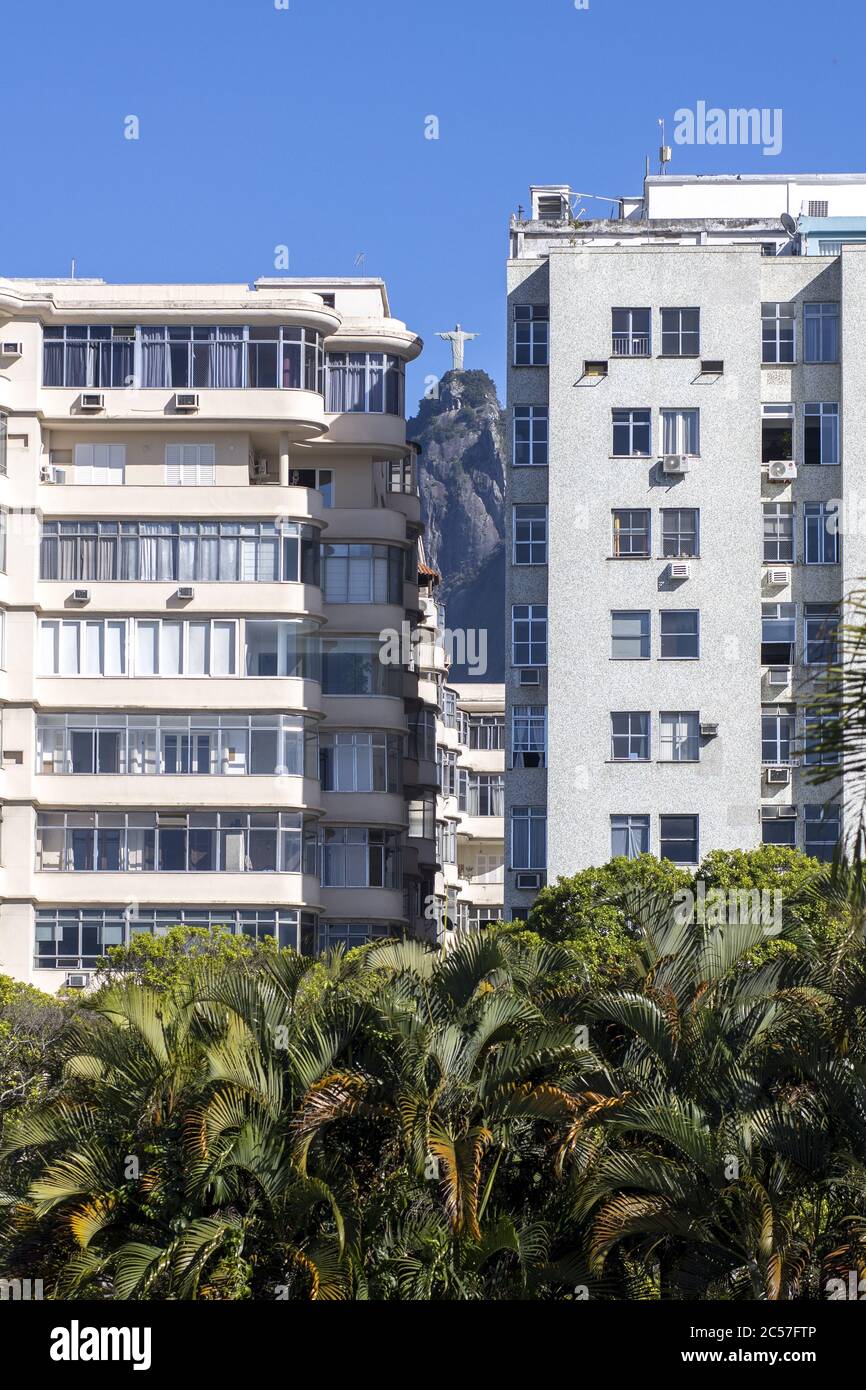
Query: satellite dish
{"type": "Point", "coordinates": [788, 223]}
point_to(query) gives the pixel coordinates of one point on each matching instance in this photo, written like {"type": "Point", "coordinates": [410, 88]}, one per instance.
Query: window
{"type": "Point", "coordinates": [82, 355]}
{"type": "Point", "coordinates": [679, 736]}
{"type": "Point", "coordinates": [822, 433]}
{"type": "Point", "coordinates": [353, 666]}
{"type": "Point", "coordinates": [446, 842]}
{"type": "Point", "coordinates": [484, 731]}
{"type": "Point", "coordinates": [777, 332]}
{"type": "Point", "coordinates": [446, 770]}
{"type": "Point", "coordinates": [530, 435]}
{"type": "Point", "coordinates": [362, 573]}
{"type": "Point", "coordinates": [76, 937]}
{"type": "Point", "coordinates": [352, 934]}
{"type": "Point", "coordinates": [531, 335]}
{"type": "Point", "coordinates": [449, 707]}
{"type": "Point", "coordinates": [401, 474]}
{"type": "Point", "coordinates": [199, 647]}
{"type": "Point", "coordinates": [681, 332]}
{"type": "Point", "coordinates": [368, 382]}
{"type": "Point", "coordinates": [629, 836]}
{"type": "Point", "coordinates": [821, 326]}
{"type": "Point", "coordinates": [776, 829]}
{"type": "Point", "coordinates": [630, 634]}
{"type": "Point", "coordinates": [283, 647]}
{"type": "Point", "coordinates": [678, 839]}
{"type": "Point", "coordinates": [528, 837]}
{"type": "Point", "coordinates": [630, 736]}
{"type": "Point", "coordinates": [820, 740]}
{"type": "Point", "coordinates": [778, 532]}
{"type": "Point", "coordinates": [173, 842]}
{"type": "Point", "coordinates": [631, 534]}
{"type": "Point", "coordinates": [778, 732]}
{"type": "Point", "coordinates": [319, 480]}
{"type": "Point", "coordinates": [818, 207]}
{"type": "Point", "coordinates": [680, 640]}
{"type": "Point", "coordinates": [75, 647]}
{"type": "Point", "coordinates": [176, 744]}
{"type": "Point", "coordinates": [359, 761]}
{"type": "Point", "coordinates": [680, 533]}
{"type": "Point", "coordinates": [356, 857]}
{"type": "Point", "coordinates": [190, 465]}
{"type": "Point", "coordinates": [821, 533]}
{"type": "Point", "coordinates": [529, 634]}
{"type": "Point", "coordinates": [100, 465]}
{"type": "Point", "coordinates": [422, 818]}
{"type": "Point", "coordinates": [422, 734]}
{"type": "Point", "coordinates": [680, 432]}
{"type": "Point", "coordinates": [4, 528]}
{"type": "Point", "coordinates": [632, 433]}
{"type": "Point", "coordinates": [529, 736]}
{"type": "Point", "coordinates": [481, 793]}
{"type": "Point", "coordinates": [631, 332]}
{"type": "Point", "coordinates": [829, 248]}
{"type": "Point", "coordinates": [530, 534]}
{"type": "Point", "coordinates": [821, 634]}
{"type": "Point", "coordinates": [778, 633]}
{"type": "Point", "coordinates": [777, 432]}
{"type": "Point", "coordinates": [823, 831]}
{"type": "Point", "coordinates": [170, 551]}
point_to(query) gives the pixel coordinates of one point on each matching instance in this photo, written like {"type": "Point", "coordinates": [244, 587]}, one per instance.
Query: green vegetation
{"type": "Point", "coordinates": [609, 1103]}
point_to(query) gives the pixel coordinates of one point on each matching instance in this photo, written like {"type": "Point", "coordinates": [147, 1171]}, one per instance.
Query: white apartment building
{"type": "Point", "coordinates": [210, 516]}
{"type": "Point", "coordinates": [685, 397]}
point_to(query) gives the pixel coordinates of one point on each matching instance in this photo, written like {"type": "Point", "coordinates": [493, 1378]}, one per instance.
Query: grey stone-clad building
{"type": "Point", "coordinates": [684, 510]}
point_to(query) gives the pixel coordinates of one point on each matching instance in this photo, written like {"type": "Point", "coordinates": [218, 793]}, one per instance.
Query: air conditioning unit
{"type": "Point", "coordinates": [77, 979]}
{"type": "Point", "coordinates": [781, 470]}
{"type": "Point", "coordinates": [186, 400]}
{"type": "Point", "coordinates": [529, 675]}
{"type": "Point", "coordinates": [50, 473]}
{"type": "Point", "coordinates": [712, 366]}
{"type": "Point", "coordinates": [779, 675]}
{"type": "Point", "coordinates": [11, 349]}
{"type": "Point", "coordinates": [775, 578]}
{"type": "Point", "coordinates": [260, 468]}
{"type": "Point", "coordinates": [92, 400]}
{"type": "Point", "coordinates": [680, 569]}
{"type": "Point", "coordinates": [779, 776]}
{"type": "Point", "coordinates": [709, 730]}
{"type": "Point", "coordinates": [527, 880]}
{"type": "Point", "coordinates": [80, 595]}
{"type": "Point", "coordinates": [186, 591]}
{"type": "Point", "coordinates": [675, 463]}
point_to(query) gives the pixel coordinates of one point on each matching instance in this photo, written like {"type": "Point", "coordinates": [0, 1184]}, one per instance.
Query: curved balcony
{"type": "Point", "coordinates": [300, 413]}
{"type": "Point", "coordinates": [139, 792]}
{"type": "Point", "coordinates": [385, 810]}
{"type": "Point", "coordinates": [132, 598]}
{"type": "Point", "coordinates": [205, 694]}
{"type": "Point", "coordinates": [362, 904]}
{"type": "Point", "coordinates": [238, 501]}
{"type": "Point", "coordinates": [191, 889]}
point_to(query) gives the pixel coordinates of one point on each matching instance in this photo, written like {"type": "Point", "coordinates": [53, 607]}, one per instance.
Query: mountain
{"type": "Point", "coordinates": [462, 482]}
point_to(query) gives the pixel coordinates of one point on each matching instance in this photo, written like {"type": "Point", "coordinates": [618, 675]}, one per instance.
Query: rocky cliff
{"type": "Point", "coordinates": [462, 479]}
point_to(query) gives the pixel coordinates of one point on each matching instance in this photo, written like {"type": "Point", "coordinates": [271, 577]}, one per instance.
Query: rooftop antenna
{"type": "Point", "coordinates": [665, 151]}
{"type": "Point", "coordinates": [361, 261]}
{"type": "Point", "coordinates": [72, 271]}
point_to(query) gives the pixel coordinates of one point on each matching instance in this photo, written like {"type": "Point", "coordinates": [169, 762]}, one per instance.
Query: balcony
{"type": "Point", "coordinates": [630, 345]}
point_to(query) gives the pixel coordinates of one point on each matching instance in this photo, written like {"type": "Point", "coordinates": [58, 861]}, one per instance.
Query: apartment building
{"type": "Point", "coordinates": [685, 402]}
{"type": "Point", "coordinates": [210, 517]}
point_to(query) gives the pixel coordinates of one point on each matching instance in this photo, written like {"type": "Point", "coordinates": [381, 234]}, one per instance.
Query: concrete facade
{"type": "Point", "coordinates": [197, 725]}
{"type": "Point", "coordinates": [676, 250]}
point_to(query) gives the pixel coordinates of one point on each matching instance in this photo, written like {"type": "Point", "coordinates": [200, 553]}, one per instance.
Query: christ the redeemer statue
{"type": "Point", "coordinates": [458, 340]}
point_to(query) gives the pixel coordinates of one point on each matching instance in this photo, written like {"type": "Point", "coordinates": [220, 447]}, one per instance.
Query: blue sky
{"type": "Point", "coordinates": [305, 127]}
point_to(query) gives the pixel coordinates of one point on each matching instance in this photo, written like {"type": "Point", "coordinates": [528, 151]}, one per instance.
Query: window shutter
{"type": "Point", "coordinates": [173, 453]}
{"type": "Point", "coordinates": [84, 463]}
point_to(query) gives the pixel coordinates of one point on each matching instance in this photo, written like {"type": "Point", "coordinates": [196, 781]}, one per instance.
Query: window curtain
{"type": "Point", "coordinates": [225, 359]}
{"type": "Point", "coordinates": [155, 358]}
